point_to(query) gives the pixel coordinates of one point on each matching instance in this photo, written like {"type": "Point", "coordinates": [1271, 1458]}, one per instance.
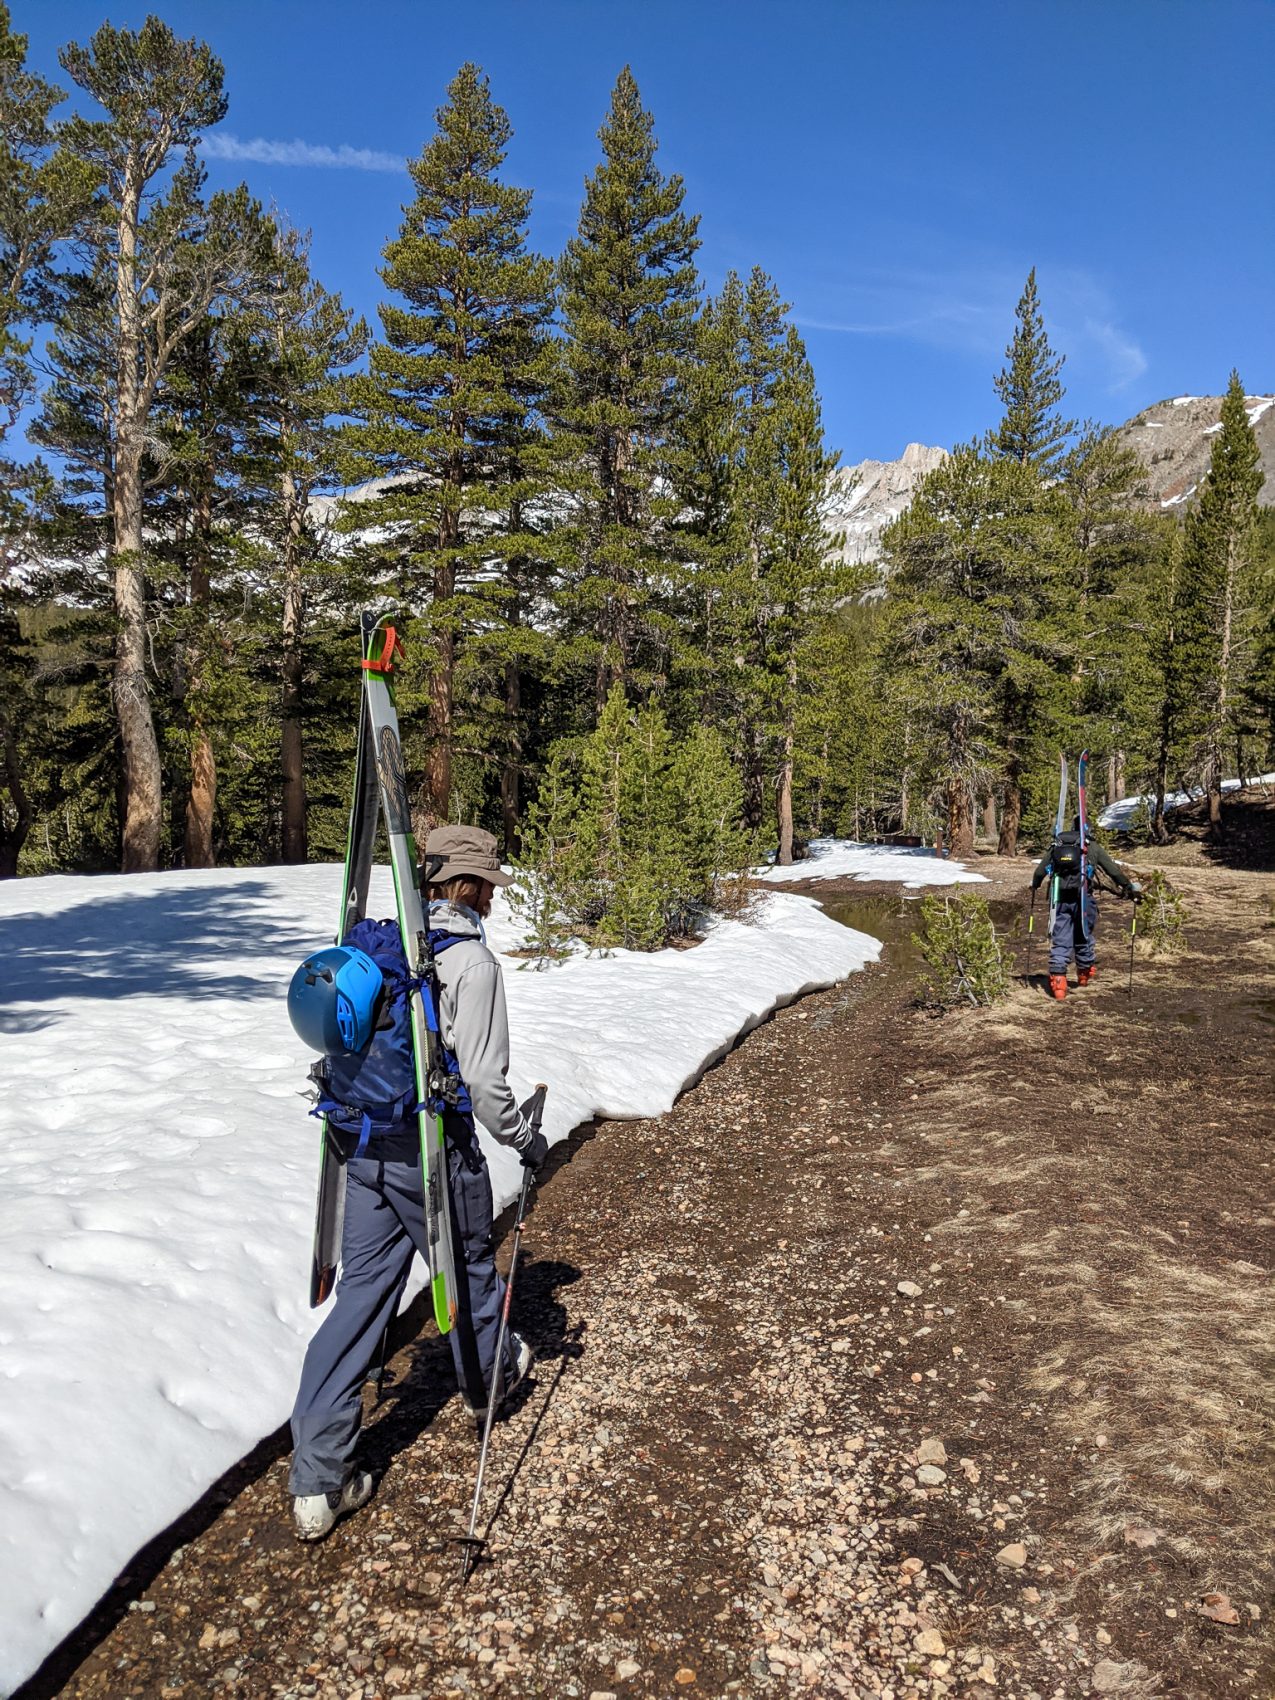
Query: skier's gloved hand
{"type": "Point", "coordinates": [534, 1152]}
{"type": "Point", "coordinates": [1136, 892]}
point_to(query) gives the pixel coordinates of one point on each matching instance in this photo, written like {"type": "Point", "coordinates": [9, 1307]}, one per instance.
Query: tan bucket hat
{"type": "Point", "coordinates": [465, 850]}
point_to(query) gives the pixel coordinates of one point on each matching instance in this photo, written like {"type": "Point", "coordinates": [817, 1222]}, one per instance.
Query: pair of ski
{"type": "Point", "coordinates": [380, 792]}
{"type": "Point", "coordinates": [1088, 906]}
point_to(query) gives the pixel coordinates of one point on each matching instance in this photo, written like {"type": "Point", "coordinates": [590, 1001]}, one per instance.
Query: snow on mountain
{"type": "Point", "coordinates": [1174, 440]}
{"type": "Point", "coordinates": [863, 500]}
{"type": "Point", "coordinates": [157, 1174]}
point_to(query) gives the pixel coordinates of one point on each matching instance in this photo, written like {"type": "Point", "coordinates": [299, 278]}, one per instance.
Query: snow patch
{"type": "Point", "coordinates": [1121, 815]}
{"type": "Point", "coordinates": [157, 1173]}
{"type": "Point", "coordinates": [1255, 413]}
{"type": "Point", "coordinates": [843, 858]}
{"type": "Point", "coordinates": [1183, 400]}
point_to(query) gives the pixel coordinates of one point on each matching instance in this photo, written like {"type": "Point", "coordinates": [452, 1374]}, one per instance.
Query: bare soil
{"type": "Point", "coordinates": [752, 1463]}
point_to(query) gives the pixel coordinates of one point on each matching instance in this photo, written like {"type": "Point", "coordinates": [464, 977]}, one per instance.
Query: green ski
{"type": "Point", "coordinates": [381, 718]}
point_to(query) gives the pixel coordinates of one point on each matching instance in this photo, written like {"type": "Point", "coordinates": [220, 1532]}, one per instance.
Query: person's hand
{"type": "Point", "coordinates": [1136, 892]}
{"type": "Point", "coordinates": [534, 1152]}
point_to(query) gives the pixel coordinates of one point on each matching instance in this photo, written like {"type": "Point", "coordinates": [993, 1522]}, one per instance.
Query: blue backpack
{"type": "Point", "coordinates": [373, 1091]}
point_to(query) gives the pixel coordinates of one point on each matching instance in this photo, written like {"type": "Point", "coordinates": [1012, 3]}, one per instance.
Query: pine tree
{"type": "Point", "coordinates": [300, 342]}
{"type": "Point", "coordinates": [449, 411]}
{"type": "Point", "coordinates": [1030, 388]}
{"type": "Point", "coordinates": [800, 585]}
{"type": "Point", "coordinates": [978, 630]}
{"type": "Point", "coordinates": [1116, 544]}
{"type": "Point", "coordinates": [172, 257]}
{"type": "Point", "coordinates": [1218, 594]}
{"type": "Point", "coordinates": [42, 197]}
{"type": "Point", "coordinates": [629, 295]}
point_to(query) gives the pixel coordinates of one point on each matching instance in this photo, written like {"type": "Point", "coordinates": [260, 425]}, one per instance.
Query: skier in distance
{"type": "Point", "coordinates": [1065, 859]}
{"type": "Point", "coordinates": [368, 1094]}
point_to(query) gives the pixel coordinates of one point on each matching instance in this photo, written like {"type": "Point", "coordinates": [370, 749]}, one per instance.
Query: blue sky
{"type": "Point", "coordinates": [897, 167]}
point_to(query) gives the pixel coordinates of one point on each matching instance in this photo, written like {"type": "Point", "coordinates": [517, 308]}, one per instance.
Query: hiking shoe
{"type": "Point", "coordinates": [1058, 986]}
{"type": "Point", "coordinates": [524, 1357]}
{"type": "Point", "coordinates": [316, 1514]}
{"type": "Point", "coordinates": [1084, 975]}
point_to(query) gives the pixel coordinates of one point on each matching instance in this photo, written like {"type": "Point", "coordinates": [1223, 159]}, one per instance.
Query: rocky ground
{"type": "Point", "coordinates": [907, 1357]}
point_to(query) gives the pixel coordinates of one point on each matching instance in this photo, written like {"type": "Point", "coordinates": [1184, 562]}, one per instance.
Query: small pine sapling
{"type": "Point", "coordinates": [963, 961]}
{"type": "Point", "coordinates": [1161, 916]}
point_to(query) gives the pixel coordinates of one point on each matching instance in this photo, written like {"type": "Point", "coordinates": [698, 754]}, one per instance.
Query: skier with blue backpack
{"type": "Point", "coordinates": [1073, 861]}
{"type": "Point", "coordinates": [350, 1002]}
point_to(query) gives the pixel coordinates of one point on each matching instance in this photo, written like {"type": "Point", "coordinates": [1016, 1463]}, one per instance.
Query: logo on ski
{"type": "Point", "coordinates": [389, 763]}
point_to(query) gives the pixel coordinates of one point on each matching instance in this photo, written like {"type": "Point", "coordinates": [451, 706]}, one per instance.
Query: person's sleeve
{"type": "Point", "coordinates": [1105, 862]}
{"type": "Point", "coordinates": [1042, 868]}
{"type": "Point", "coordinates": [481, 1036]}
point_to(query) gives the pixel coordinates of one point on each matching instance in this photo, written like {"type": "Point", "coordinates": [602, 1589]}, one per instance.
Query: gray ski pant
{"type": "Point", "coordinates": [384, 1224]}
{"type": "Point", "coordinates": [1069, 935]}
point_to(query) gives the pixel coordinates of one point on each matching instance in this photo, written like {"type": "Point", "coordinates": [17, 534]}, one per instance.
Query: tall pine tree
{"type": "Point", "coordinates": [629, 296]}
{"type": "Point", "coordinates": [1030, 388]}
{"type": "Point", "coordinates": [449, 407]}
{"type": "Point", "coordinates": [1217, 597]}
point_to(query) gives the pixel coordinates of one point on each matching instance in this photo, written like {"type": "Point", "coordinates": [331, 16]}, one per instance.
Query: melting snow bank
{"type": "Point", "coordinates": [1121, 815]}
{"type": "Point", "coordinates": [843, 858]}
{"type": "Point", "coordinates": [157, 1174]}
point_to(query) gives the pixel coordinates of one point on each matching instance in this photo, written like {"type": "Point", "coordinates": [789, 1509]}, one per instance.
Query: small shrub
{"type": "Point", "coordinates": [961, 953]}
{"type": "Point", "coordinates": [1161, 916]}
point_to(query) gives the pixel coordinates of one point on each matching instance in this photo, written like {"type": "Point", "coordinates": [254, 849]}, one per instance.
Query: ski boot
{"type": "Point", "coordinates": [524, 1357]}
{"type": "Point", "coordinates": [1085, 975]}
{"type": "Point", "coordinates": [316, 1514]}
{"type": "Point", "coordinates": [1058, 986]}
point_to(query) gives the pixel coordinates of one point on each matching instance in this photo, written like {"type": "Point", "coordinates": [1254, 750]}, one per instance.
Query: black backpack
{"type": "Point", "coordinates": [1066, 859]}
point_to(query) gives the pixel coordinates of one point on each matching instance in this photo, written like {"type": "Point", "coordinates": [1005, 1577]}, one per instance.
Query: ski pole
{"type": "Point", "coordinates": [1031, 935]}
{"type": "Point", "coordinates": [1133, 927]}
{"type": "Point", "coordinates": [470, 1544]}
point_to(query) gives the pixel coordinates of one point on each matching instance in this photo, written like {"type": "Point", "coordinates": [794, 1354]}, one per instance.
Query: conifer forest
{"type": "Point", "coordinates": [593, 493]}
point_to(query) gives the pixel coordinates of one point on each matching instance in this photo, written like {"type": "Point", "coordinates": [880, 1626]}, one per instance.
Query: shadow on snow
{"type": "Point", "coordinates": [155, 944]}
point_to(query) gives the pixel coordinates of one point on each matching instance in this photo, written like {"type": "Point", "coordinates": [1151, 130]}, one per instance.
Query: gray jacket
{"type": "Point", "coordinates": [475, 1024]}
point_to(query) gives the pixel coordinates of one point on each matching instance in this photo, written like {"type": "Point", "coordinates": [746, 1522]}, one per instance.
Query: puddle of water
{"type": "Point", "coordinates": [894, 919]}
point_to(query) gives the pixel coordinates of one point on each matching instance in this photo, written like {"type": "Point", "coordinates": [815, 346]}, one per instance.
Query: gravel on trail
{"type": "Point", "coordinates": [777, 1441]}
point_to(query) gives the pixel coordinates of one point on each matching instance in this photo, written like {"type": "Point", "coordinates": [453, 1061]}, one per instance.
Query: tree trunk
{"type": "Point", "coordinates": [295, 839]}
{"type": "Point", "coordinates": [989, 816]}
{"type": "Point", "coordinates": [1222, 706]}
{"type": "Point", "coordinates": [960, 818]}
{"type": "Point", "coordinates": [142, 773]}
{"type": "Point", "coordinates": [511, 768]}
{"type": "Point", "coordinates": [785, 791]}
{"type": "Point", "coordinates": [198, 840]}
{"type": "Point", "coordinates": [1011, 810]}
{"type": "Point", "coordinates": [1120, 776]}
{"type": "Point", "coordinates": [12, 838]}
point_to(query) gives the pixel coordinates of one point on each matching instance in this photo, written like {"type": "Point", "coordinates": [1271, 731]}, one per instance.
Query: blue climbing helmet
{"type": "Point", "coordinates": [332, 999]}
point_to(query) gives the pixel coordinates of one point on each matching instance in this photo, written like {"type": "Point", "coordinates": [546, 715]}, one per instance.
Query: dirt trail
{"type": "Point", "coordinates": [883, 1298]}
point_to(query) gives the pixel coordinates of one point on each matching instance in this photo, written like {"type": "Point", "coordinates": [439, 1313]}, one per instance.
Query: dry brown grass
{"type": "Point", "coordinates": [1172, 1365]}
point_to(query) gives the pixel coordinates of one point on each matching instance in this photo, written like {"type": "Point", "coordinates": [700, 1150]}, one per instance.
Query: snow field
{"type": "Point", "coordinates": [158, 1168]}
{"type": "Point", "coordinates": [842, 858]}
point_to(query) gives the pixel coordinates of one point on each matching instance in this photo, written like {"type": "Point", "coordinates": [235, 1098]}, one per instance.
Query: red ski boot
{"type": "Point", "coordinates": [1058, 986]}
{"type": "Point", "coordinates": [1085, 975]}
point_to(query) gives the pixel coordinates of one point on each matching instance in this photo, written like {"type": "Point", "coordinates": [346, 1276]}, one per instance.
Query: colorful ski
{"type": "Point", "coordinates": [382, 717]}
{"type": "Point", "coordinates": [1088, 903]}
{"type": "Point", "coordinates": [359, 845]}
{"type": "Point", "coordinates": [1060, 817]}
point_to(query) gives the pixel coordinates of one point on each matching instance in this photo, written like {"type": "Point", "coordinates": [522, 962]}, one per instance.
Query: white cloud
{"type": "Point", "coordinates": [218, 145]}
{"type": "Point", "coordinates": [968, 306]}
